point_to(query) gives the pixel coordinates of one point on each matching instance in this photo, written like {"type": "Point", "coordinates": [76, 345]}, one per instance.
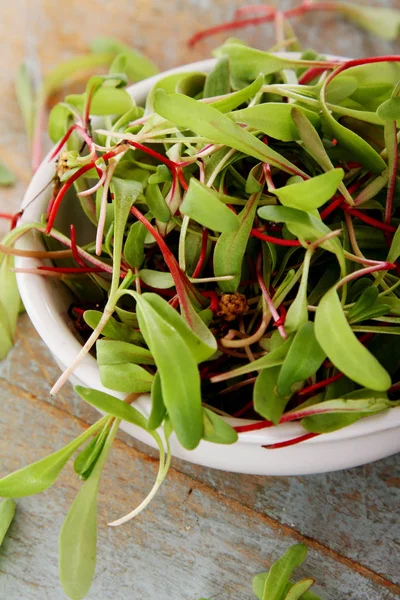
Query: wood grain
{"type": "Point", "coordinates": [208, 532]}
{"type": "Point", "coordinates": [191, 541]}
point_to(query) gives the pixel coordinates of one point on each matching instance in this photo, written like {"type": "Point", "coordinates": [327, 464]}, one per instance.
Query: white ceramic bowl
{"type": "Point", "coordinates": [47, 301]}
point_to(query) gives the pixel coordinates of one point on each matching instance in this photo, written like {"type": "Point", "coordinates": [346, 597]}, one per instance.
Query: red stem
{"type": "Point", "coordinates": [369, 220]}
{"type": "Point", "coordinates": [66, 137]}
{"type": "Point", "coordinates": [243, 410]}
{"type": "Point", "coordinates": [338, 199]}
{"type": "Point", "coordinates": [203, 253]}
{"type": "Point", "coordinates": [74, 247]}
{"type": "Point", "coordinates": [253, 426]}
{"type": "Point", "coordinates": [56, 204]}
{"type": "Point", "coordinates": [298, 440]}
{"type": "Point", "coordinates": [310, 74]}
{"type": "Point", "coordinates": [71, 269]}
{"type": "Point", "coordinates": [8, 216]}
{"type": "Point", "coordinates": [274, 240]}
{"type": "Point", "coordinates": [266, 18]}
{"type": "Point", "coordinates": [178, 276]}
{"type": "Point", "coordinates": [275, 315]}
{"type": "Point", "coordinates": [321, 384]}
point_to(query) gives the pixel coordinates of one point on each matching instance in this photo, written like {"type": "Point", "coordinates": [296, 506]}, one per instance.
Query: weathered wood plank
{"type": "Point", "coordinates": [359, 504]}
{"type": "Point", "coordinates": [191, 541]}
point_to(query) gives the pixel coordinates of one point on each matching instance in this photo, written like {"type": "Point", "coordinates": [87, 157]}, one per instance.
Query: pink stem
{"type": "Point", "coordinates": [56, 204]}
{"type": "Point", "coordinates": [298, 440]}
{"type": "Point", "coordinates": [275, 315]}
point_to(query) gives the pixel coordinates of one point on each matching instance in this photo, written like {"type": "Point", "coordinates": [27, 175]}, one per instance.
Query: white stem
{"type": "Point", "coordinates": [162, 471]}
{"type": "Point", "coordinates": [103, 208]}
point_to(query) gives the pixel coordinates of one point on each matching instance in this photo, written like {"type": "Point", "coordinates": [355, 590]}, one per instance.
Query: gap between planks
{"type": "Point", "coordinates": [283, 529]}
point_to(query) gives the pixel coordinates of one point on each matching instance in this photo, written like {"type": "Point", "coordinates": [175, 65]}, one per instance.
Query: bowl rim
{"type": "Point", "coordinates": [40, 295]}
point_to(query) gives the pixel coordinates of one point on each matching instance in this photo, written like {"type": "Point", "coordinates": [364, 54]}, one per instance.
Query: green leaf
{"type": "Point", "coordinates": [217, 127]}
{"type": "Point", "coordinates": [305, 226]}
{"type": "Point", "coordinates": [258, 587]}
{"type": "Point", "coordinates": [25, 98]}
{"type": "Point", "coordinates": [273, 119]}
{"type": "Point", "coordinates": [87, 458]}
{"type": "Point", "coordinates": [157, 279]}
{"type": "Point", "coordinates": [59, 121]}
{"type": "Point", "coordinates": [134, 245]}
{"type": "Point", "coordinates": [158, 410]}
{"type": "Point", "coordinates": [6, 343]}
{"type": "Point", "coordinates": [78, 537]}
{"type": "Point", "coordinates": [112, 406]}
{"type": "Point", "coordinates": [280, 572]}
{"type": "Point", "coordinates": [6, 176]}
{"type": "Point", "coordinates": [216, 429]}
{"type": "Point", "coordinates": [267, 401]}
{"type": "Point", "coordinates": [106, 101]}
{"type": "Point", "coordinates": [7, 511]}
{"type": "Point", "coordinates": [313, 193]}
{"type": "Point", "coordinates": [366, 306]}
{"type": "Point", "coordinates": [42, 474]}
{"type": "Point", "coordinates": [137, 66]}
{"type": "Point", "coordinates": [231, 101]}
{"type": "Point", "coordinates": [156, 203]}
{"type": "Point", "coordinates": [297, 314]}
{"type": "Point", "coordinates": [126, 377]}
{"type": "Point", "coordinates": [110, 352]}
{"type": "Point", "coordinates": [200, 342]}
{"type": "Point", "coordinates": [169, 84]}
{"type": "Point", "coordinates": [113, 329]}
{"type": "Point", "coordinates": [360, 150]}
{"type": "Point", "coordinates": [231, 247]}
{"type": "Point", "coordinates": [180, 379]}
{"type": "Point", "coordinates": [304, 358]}
{"type": "Point", "coordinates": [394, 251]}
{"type": "Point", "coordinates": [383, 22]}
{"type": "Point", "coordinates": [9, 295]}
{"type": "Point", "coordinates": [341, 87]}
{"type": "Point", "coordinates": [343, 348]}
{"type": "Point", "coordinates": [247, 63]}
{"type": "Point", "coordinates": [299, 588]}
{"type": "Point", "coordinates": [217, 82]}
{"type": "Point", "coordinates": [390, 109]}
{"type": "Point", "coordinates": [204, 206]}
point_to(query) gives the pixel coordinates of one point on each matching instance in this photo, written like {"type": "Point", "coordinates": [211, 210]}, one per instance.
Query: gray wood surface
{"type": "Point", "coordinates": [207, 532]}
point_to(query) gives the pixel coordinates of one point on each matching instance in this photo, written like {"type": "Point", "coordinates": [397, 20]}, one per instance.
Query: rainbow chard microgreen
{"type": "Point", "coordinates": [274, 585]}
{"type": "Point", "coordinates": [231, 101]}
{"type": "Point", "coordinates": [78, 537]}
{"type": "Point", "coordinates": [231, 246]}
{"type": "Point", "coordinates": [7, 511]}
{"type": "Point", "coordinates": [204, 206]}
{"type": "Point", "coordinates": [273, 119]}
{"type": "Point", "coordinates": [216, 430]}
{"type": "Point", "coordinates": [304, 358]}
{"type": "Point", "coordinates": [42, 474]}
{"type": "Point", "coordinates": [218, 80]}
{"type": "Point", "coordinates": [207, 121]}
{"type": "Point", "coordinates": [180, 380]}
{"type": "Point", "coordinates": [311, 194]}
{"type": "Point", "coordinates": [342, 347]}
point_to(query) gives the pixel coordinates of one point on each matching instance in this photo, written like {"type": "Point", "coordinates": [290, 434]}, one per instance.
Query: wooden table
{"type": "Point", "coordinates": [207, 532]}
